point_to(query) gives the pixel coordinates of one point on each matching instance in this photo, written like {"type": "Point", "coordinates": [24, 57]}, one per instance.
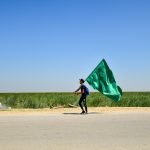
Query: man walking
{"type": "Point", "coordinates": [84, 92]}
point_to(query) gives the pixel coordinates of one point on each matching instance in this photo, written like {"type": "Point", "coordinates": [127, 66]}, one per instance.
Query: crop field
{"type": "Point", "coordinates": [50, 100]}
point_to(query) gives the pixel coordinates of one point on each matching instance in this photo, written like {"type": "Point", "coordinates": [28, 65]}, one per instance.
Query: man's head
{"type": "Point", "coordinates": [81, 81]}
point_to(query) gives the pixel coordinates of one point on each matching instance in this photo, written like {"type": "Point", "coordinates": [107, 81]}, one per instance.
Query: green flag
{"type": "Point", "coordinates": [103, 80]}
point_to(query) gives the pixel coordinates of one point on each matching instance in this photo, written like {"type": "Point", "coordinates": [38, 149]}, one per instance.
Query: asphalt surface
{"type": "Point", "coordinates": [71, 131]}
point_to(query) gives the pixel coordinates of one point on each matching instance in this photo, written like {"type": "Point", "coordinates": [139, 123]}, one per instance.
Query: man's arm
{"type": "Point", "coordinates": [82, 91]}
{"type": "Point", "coordinates": [78, 89]}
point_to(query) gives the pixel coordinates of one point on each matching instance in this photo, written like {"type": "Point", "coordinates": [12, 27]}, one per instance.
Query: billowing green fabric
{"type": "Point", "coordinates": [103, 80]}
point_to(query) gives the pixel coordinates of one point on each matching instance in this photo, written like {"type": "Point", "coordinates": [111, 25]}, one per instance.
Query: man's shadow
{"type": "Point", "coordinates": [90, 113]}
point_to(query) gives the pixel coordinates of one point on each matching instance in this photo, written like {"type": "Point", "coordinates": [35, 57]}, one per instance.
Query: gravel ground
{"type": "Point", "coordinates": [66, 129]}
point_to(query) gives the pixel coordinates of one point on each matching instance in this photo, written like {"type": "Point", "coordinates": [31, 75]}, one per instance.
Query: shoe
{"type": "Point", "coordinates": [82, 112]}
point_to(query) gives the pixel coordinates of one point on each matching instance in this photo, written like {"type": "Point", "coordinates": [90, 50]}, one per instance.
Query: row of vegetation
{"type": "Point", "coordinates": [49, 100]}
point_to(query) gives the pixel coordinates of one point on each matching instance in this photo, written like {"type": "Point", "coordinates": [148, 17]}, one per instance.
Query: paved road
{"type": "Point", "coordinates": [71, 131]}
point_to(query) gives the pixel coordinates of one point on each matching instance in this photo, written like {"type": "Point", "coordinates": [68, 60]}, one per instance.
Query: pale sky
{"type": "Point", "coordinates": [47, 46]}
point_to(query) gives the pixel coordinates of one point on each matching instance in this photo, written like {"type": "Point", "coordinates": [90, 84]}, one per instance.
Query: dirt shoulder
{"type": "Point", "coordinates": [72, 110]}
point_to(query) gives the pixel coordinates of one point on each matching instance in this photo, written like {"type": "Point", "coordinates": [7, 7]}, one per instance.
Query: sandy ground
{"type": "Point", "coordinates": [65, 129]}
{"type": "Point", "coordinates": [76, 110]}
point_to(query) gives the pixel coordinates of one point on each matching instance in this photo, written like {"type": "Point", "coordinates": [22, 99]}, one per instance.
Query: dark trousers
{"type": "Point", "coordinates": [83, 100]}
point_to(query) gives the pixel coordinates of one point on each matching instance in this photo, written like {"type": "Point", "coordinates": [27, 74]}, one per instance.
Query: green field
{"type": "Point", "coordinates": [49, 100]}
